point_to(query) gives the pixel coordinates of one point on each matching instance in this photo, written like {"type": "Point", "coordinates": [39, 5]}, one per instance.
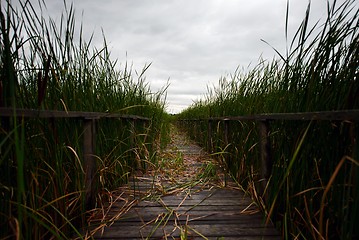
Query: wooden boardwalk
{"type": "Point", "coordinates": [169, 204]}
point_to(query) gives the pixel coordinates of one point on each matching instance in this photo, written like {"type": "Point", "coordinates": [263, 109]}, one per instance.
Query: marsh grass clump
{"type": "Point", "coordinates": [312, 190]}
{"type": "Point", "coordinates": [48, 65]}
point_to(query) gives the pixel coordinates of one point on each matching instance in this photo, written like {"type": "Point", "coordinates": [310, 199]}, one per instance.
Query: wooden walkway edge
{"type": "Point", "coordinates": [187, 209]}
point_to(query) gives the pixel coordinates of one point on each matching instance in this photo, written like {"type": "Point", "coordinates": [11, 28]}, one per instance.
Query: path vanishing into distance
{"type": "Point", "coordinates": [184, 196]}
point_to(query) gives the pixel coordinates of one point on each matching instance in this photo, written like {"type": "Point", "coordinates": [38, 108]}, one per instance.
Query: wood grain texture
{"type": "Point", "coordinates": [210, 210]}
{"type": "Point", "coordinates": [213, 213]}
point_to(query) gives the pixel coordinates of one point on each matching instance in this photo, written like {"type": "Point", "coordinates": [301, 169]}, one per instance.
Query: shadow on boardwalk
{"type": "Point", "coordinates": [185, 196]}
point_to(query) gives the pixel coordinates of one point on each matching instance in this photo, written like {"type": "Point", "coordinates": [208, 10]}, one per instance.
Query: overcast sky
{"type": "Point", "coordinates": [191, 43]}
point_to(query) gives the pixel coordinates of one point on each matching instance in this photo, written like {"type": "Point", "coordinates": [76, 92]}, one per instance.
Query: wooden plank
{"type": "Point", "coordinates": [207, 202]}
{"type": "Point", "coordinates": [133, 218]}
{"type": "Point", "coordinates": [34, 113]}
{"type": "Point", "coordinates": [207, 209]}
{"type": "Point", "coordinates": [204, 209]}
{"type": "Point", "coordinates": [158, 231]}
{"type": "Point", "coordinates": [226, 130]}
{"type": "Point", "coordinates": [191, 202]}
{"type": "Point", "coordinates": [209, 212]}
{"type": "Point", "coordinates": [340, 115]}
{"type": "Point", "coordinates": [226, 143]}
{"type": "Point", "coordinates": [196, 199]}
{"type": "Point", "coordinates": [182, 220]}
{"type": "Point", "coordinates": [89, 163]}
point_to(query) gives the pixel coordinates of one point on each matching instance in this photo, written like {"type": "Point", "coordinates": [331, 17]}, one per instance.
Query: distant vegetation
{"type": "Point", "coordinates": [319, 197]}
{"type": "Point", "coordinates": [48, 65]}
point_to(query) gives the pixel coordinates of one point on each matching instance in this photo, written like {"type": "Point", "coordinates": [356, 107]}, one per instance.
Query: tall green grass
{"type": "Point", "coordinates": [48, 65]}
{"type": "Point", "coordinates": [312, 192]}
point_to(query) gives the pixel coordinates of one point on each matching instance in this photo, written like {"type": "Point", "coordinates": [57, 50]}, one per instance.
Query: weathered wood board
{"type": "Point", "coordinates": [198, 211]}
{"type": "Point", "coordinates": [213, 213]}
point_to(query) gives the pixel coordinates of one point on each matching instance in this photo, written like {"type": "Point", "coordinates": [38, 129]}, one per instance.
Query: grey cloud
{"type": "Point", "coordinates": [191, 42]}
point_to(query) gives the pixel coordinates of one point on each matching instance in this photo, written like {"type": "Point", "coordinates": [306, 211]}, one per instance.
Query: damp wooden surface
{"type": "Point", "coordinates": [195, 211]}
